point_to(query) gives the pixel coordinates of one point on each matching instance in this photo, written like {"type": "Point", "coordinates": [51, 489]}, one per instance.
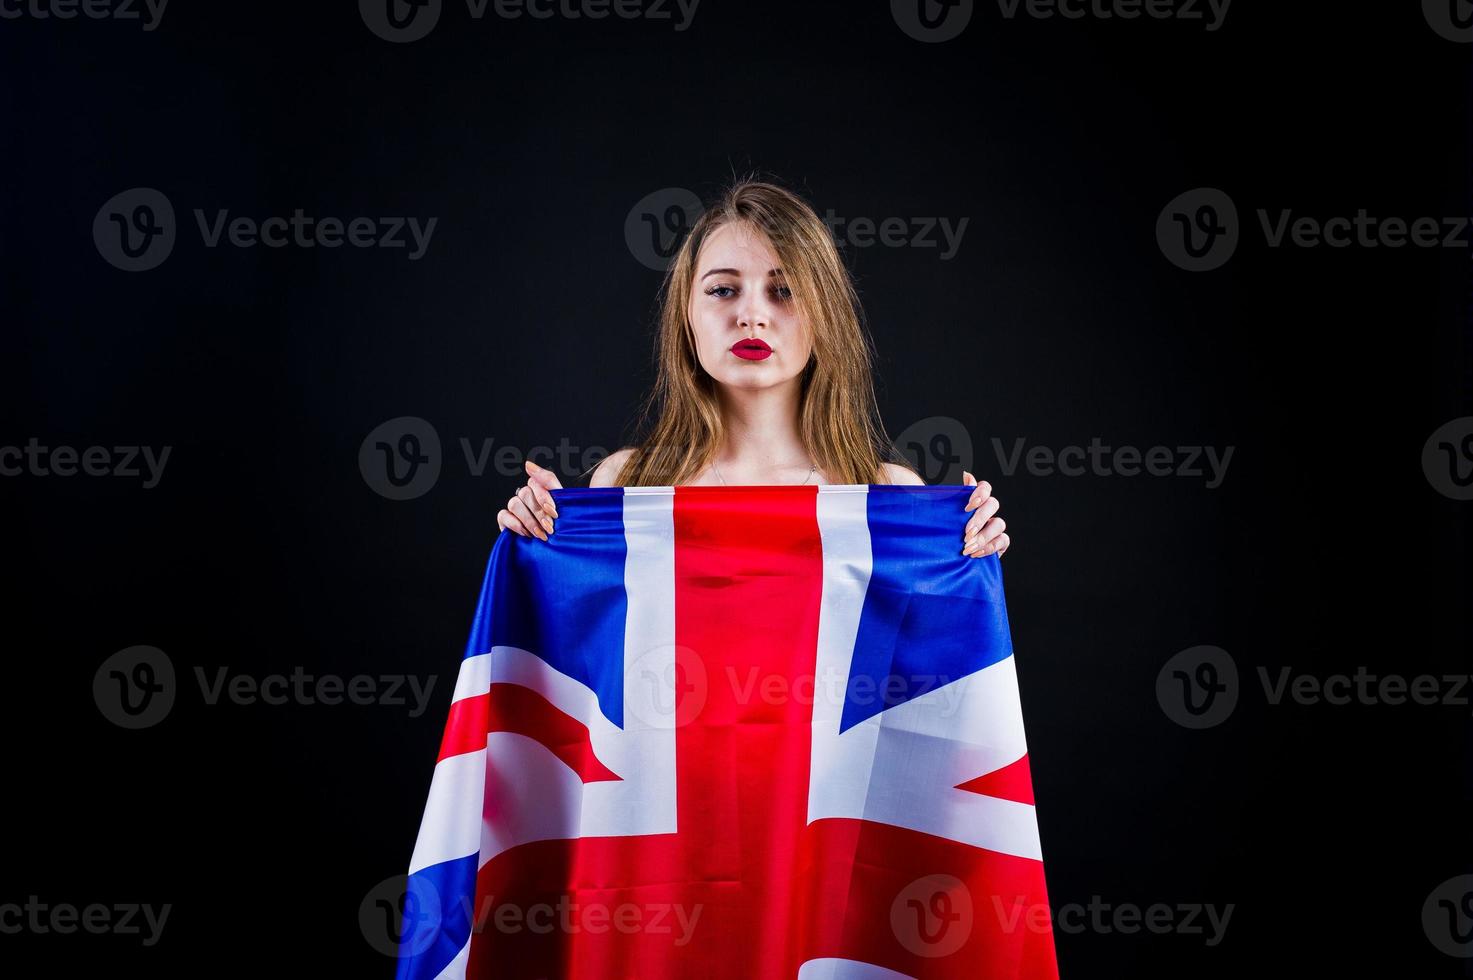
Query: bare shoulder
{"type": "Point", "coordinates": [902, 475]}
{"type": "Point", "coordinates": [608, 469]}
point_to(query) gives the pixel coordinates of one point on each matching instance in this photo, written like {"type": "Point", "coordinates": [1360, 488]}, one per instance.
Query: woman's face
{"type": "Point", "coordinates": [740, 296]}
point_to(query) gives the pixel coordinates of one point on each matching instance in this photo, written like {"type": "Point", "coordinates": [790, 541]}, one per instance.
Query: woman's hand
{"type": "Point", "coordinates": [530, 512]}
{"type": "Point", "coordinates": [984, 533]}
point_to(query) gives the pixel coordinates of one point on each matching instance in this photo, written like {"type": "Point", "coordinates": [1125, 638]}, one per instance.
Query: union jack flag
{"type": "Point", "coordinates": [734, 732]}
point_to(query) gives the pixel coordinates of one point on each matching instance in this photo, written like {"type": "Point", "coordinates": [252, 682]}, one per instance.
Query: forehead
{"type": "Point", "coordinates": [738, 245]}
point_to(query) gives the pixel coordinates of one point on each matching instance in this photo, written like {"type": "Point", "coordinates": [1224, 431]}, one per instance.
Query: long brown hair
{"type": "Point", "coordinates": [838, 417]}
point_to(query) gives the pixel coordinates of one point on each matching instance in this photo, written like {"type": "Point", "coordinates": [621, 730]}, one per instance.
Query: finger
{"type": "Point", "coordinates": [508, 521]}
{"type": "Point", "coordinates": [527, 496]}
{"type": "Point", "coordinates": [983, 491]}
{"type": "Point", "coordinates": [529, 520]}
{"type": "Point", "coordinates": [1002, 544]}
{"type": "Point", "coordinates": [984, 514]}
{"type": "Point", "coordinates": [526, 518]}
{"type": "Point", "coordinates": [543, 476]}
{"type": "Point", "coordinates": [985, 542]}
{"type": "Point", "coordinates": [543, 497]}
{"type": "Point", "coordinates": [526, 529]}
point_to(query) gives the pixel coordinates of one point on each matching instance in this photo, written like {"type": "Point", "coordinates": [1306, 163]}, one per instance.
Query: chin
{"type": "Point", "coordinates": [754, 379]}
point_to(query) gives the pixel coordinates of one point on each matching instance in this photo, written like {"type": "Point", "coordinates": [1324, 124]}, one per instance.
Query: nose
{"type": "Point", "coordinates": [752, 316]}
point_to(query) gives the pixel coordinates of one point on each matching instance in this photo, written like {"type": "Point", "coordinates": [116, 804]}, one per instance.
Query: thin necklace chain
{"type": "Point", "coordinates": [724, 483]}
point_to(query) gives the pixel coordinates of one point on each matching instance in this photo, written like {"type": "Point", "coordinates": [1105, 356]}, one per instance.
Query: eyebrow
{"type": "Point", "coordinates": [771, 273]}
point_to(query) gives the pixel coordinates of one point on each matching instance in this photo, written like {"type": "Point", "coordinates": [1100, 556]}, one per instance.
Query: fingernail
{"type": "Point", "coordinates": [547, 524]}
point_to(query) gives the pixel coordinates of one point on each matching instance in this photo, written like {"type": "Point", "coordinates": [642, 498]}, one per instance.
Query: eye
{"type": "Point", "coordinates": [782, 292]}
{"type": "Point", "coordinates": [716, 291]}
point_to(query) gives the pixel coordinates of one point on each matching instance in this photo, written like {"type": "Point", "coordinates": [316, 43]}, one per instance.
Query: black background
{"type": "Point", "coordinates": [528, 320]}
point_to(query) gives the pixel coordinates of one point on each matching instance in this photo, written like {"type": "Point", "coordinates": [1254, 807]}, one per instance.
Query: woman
{"type": "Point", "coordinates": [764, 372]}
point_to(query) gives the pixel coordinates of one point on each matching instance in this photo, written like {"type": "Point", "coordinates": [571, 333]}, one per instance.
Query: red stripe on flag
{"type": "Point", "coordinates": [522, 711]}
{"type": "Point", "coordinates": [1012, 782]}
{"type": "Point", "coordinates": [465, 728]}
{"type": "Point", "coordinates": [748, 590]}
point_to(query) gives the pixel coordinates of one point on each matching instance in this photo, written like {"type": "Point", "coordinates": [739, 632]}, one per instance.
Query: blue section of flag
{"type": "Point", "coordinates": [931, 614]}
{"type": "Point", "coordinates": [436, 923]}
{"type": "Point", "coordinates": [565, 603]}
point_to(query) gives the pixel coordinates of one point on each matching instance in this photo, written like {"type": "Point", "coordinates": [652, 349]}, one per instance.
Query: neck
{"type": "Point", "coordinates": [761, 426]}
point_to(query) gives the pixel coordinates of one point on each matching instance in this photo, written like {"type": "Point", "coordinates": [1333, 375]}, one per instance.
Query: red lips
{"type": "Point", "coordinates": [751, 349]}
